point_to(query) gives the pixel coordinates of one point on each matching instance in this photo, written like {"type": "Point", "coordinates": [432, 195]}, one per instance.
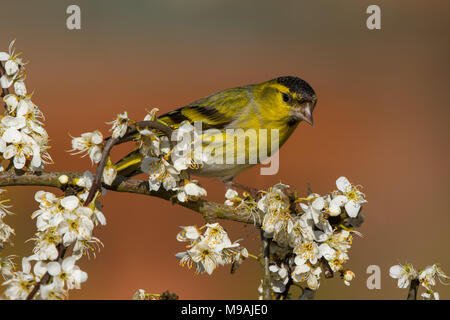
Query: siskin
{"type": "Point", "coordinates": [280, 104]}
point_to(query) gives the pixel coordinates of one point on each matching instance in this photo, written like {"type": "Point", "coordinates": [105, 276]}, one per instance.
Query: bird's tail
{"type": "Point", "coordinates": [129, 165]}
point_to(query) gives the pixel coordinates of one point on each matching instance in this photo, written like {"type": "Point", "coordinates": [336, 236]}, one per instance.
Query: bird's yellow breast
{"type": "Point", "coordinates": [259, 128]}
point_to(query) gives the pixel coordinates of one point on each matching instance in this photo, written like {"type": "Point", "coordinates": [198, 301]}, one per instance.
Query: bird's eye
{"type": "Point", "coordinates": [286, 97]}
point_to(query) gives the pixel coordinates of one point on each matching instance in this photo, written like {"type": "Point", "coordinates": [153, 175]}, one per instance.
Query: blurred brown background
{"type": "Point", "coordinates": [381, 120]}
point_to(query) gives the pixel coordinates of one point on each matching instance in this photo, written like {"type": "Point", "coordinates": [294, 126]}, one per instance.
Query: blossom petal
{"type": "Point", "coordinates": [352, 208]}
{"type": "Point", "coordinates": [318, 204]}
{"type": "Point", "coordinates": [14, 122]}
{"type": "Point", "coordinates": [26, 266]}
{"type": "Point", "coordinates": [11, 101]}
{"type": "Point", "coordinates": [12, 135]}
{"type": "Point", "coordinates": [403, 282]}
{"type": "Point", "coordinates": [68, 263]}
{"type": "Point", "coordinates": [19, 161]}
{"type": "Point", "coordinates": [230, 194]}
{"type": "Point", "coordinates": [299, 269]}
{"type": "Point", "coordinates": [100, 217]}
{"type": "Point", "coordinates": [2, 145]}
{"type": "Point", "coordinates": [36, 160]}
{"type": "Point", "coordinates": [80, 276]}
{"type": "Point", "coordinates": [11, 67]}
{"type": "Point", "coordinates": [396, 271]}
{"type": "Point", "coordinates": [343, 184]}
{"type": "Point", "coordinates": [182, 197]}
{"type": "Point", "coordinates": [9, 152]}
{"type": "Point", "coordinates": [194, 190]}
{"type": "Point", "coordinates": [4, 56]}
{"type": "Point", "coordinates": [70, 202]}
{"type": "Point", "coordinates": [97, 137]}
{"type": "Point", "coordinates": [6, 81]}
{"type": "Point", "coordinates": [53, 268]}
{"type": "Point", "coordinates": [334, 210]}
{"type": "Point", "coordinates": [40, 268]}
{"type": "Point", "coordinates": [339, 201]}
{"type": "Point", "coordinates": [19, 86]}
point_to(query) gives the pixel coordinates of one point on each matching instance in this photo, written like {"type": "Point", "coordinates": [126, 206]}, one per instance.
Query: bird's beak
{"type": "Point", "coordinates": [305, 113]}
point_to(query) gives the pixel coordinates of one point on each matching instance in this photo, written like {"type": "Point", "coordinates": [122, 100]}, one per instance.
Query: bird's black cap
{"type": "Point", "coordinates": [299, 86]}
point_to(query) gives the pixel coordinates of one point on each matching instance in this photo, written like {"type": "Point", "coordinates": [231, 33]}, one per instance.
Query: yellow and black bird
{"type": "Point", "coordinates": [281, 104]}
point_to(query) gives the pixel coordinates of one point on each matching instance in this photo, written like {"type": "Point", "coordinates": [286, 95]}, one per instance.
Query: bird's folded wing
{"type": "Point", "coordinates": [216, 111]}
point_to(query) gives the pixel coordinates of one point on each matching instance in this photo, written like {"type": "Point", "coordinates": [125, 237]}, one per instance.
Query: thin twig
{"type": "Point", "coordinates": [284, 295]}
{"type": "Point", "coordinates": [290, 283]}
{"type": "Point", "coordinates": [266, 285]}
{"type": "Point", "coordinates": [328, 272]}
{"type": "Point", "coordinates": [308, 188]}
{"type": "Point", "coordinates": [123, 184]}
{"type": "Point", "coordinates": [413, 288]}
{"type": "Point", "coordinates": [46, 277]}
{"type": "Point", "coordinates": [97, 183]}
{"type": "Point", "coordinates": [109, 144]}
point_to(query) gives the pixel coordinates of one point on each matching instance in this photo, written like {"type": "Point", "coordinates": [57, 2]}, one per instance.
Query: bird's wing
{"type": "Point", "coordinates": [215, 111]}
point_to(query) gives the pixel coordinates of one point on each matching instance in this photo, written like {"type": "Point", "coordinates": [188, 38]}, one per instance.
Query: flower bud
{"type": "Point", "coordinates": [348, 276]}
{"type": "Point", "coordinates": [63, 179]}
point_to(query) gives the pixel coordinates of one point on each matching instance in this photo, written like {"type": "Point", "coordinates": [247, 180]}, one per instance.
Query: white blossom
{"type": "Point", "coordinates": [348, 196]}
{"type": "Point", "coordinates": [7, 267]}
{"type": "Point", "coordinates": [19, 286]}
{"type": "Point", "coordinates": [12, 62]}
{"type": "Point", "coordinates": [52, 291]}
{"type": "Point", "coordinates": [348, 276]}
{"type": "Point", "coordinates": [67, 273]}
{"type": "Point", "coordinates": [307, 273]}
{"type": "Point", "coordinates": [11, 101]}
{"type": "Point", "coordinates": [76, 226]}
{"type": "Point", "coordinates": [427, 277]}
{"type": "Point", "coordinates": [46, 245]}
{"type": "Point", "coordinates": [188, 152]}
{"type": "Point", "coordinates": [109, 173]}
{"type": "Point", "coordinates": [190, 191]}
{"type": "Point", "coordinates": [90, 143]}
{"type": "Point", "coordinates": [22, 147]}
{"type": "Point", "coordinates": [279, 277]}
{"type": "Point", "coordinates": [120, 125]}
{"type": "Point", "coordinates": [20, 88]}
{"type": "Point", "coordinates": [189, 233]}
{"type": "Point", "coordinates": [404, 274]}
{"type": "Point", "coordinates": [209, 250]}
{"type": "Point", "coordinates": [307, 252]}
{"type": "Point", "coordinates": [206, 258]}
{"type": "Point", "coordinates": [161, 173]}
{"type": "Point", "coordinates": [277, 220]}
{"type": "Point", "coordinates": [230, 195]}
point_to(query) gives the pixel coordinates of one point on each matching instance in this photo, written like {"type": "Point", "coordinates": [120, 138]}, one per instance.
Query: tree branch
{"type": "Point", "coordinates": [207, 209]}
{"type": "Point", "coordinates": [267, 284]}
{"type": "Point", "coordinates": [413, 288]}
